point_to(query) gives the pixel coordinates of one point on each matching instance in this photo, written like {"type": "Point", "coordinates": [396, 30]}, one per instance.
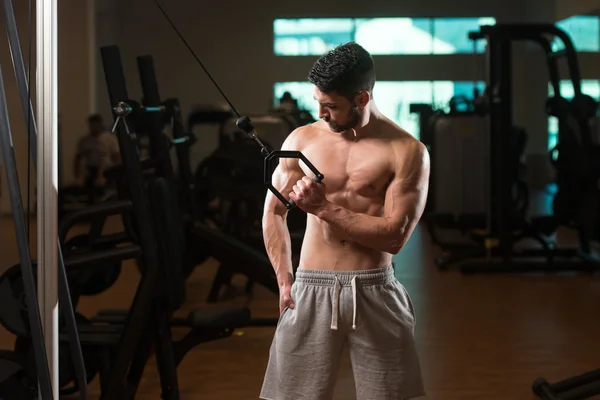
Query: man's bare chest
{"type": "Point", "coordinates": [363, 170]}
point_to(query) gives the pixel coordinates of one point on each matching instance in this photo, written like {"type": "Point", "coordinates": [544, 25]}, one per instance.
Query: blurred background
{"type": "Point", "coordinates": [479, 335]}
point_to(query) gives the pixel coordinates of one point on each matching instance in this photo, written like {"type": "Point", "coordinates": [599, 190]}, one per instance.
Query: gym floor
{"type": "Point", "coordinates": [480, 337]}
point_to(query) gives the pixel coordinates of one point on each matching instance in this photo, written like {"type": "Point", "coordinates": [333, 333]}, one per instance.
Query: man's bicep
{"type": "Point", "coordinates": [285, 176]}
{"type": "Point", "coordinates": [407, 194]}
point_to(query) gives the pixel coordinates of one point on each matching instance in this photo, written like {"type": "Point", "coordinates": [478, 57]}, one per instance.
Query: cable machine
{"type": "Point", "coordinates": [504, 228]}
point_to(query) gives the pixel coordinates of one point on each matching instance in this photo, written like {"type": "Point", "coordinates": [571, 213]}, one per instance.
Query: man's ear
{"type": "Point", "coordinates": [362, 98]}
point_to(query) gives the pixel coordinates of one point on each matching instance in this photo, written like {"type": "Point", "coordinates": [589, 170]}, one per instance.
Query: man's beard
{"type": "Point", "coordinates": [354, 120]}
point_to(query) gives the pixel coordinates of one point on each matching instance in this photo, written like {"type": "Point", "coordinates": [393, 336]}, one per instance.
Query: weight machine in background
{"type": "Point", "coordinates": [502, 223]}
{"type": "Point", "coordinates": [497, 147]}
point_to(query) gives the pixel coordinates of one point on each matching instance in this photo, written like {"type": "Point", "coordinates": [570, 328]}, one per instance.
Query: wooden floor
{"type": "Point", "coordinates": [480, 337]}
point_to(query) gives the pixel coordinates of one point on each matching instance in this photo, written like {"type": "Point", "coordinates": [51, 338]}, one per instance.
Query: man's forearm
{"type": "Point", "coordinates": [279, 247]}
{"type": "Point", "coordinates": [369, 231]}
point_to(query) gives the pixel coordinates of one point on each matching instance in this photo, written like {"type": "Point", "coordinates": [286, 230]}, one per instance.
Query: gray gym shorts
{"type": "Point", "coordinates": [370, 312]}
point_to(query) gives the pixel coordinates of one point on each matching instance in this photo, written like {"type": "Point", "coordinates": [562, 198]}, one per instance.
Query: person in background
{"type": "Point", "coordinates": [289, 106]}
{"type": "Point", "coordinates": [288, 103]}
{"type": "Point", "coordinates": [96, 151]}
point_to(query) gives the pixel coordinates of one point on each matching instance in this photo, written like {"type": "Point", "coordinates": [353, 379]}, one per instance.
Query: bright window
{"type": "Point", "coordinates": [456, 32]}
{"type": "Point", "coordinates": [380, 36]}
{"type": "Point", "coordinates": [590, 87]}
{"type": "Point", "coordinates": [584, 31]}
{"type": "Point", "coordinates": [392, 98]}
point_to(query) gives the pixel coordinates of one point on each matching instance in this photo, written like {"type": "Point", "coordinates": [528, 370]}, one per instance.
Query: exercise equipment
{"type": "Point", "coordinates": [67, 381]}
{"type": "Point", "coordinates": [160, 150]}
{"type": "Point", "coordinates": [18, 381]}
{"type": "Point", "coordinates": [231, 177]}
{"type": "Point", "coordinates": [245, 124]}
{"type": "Point", "coordinates": [42, 372]}
{"type": "Point", "coordinates": [501, 242]}
{"type": "Point", "coordinates": [232, 169]}
{"type": "Point", "coordinates": [575, 159]}
{"type": "Point", "coordinates": [237, 254]}
{"type": "Point", "coordinates": [142, 316]}
{"type": "Point", "coordinates": [274, 128]}
{"type": "Point", "coordinates": [460, 150]}
{"type": "Point", "coordinates": [238, 247]}
{"type": "Point", "coordinates": [90, 270]}
{"type": "Point", "coordinates": [125, 341]}
{"type": "Point", "coordinates": [133, 335]}
{"type": "Point", "coordinates": [93, 279]}
{"type": "Point", "coordinates": [13, 313]}
{"type": "Point", "coordinates": [229, 182]}
{"type": "Point", "coordinates": [581, 387]}
{"type": "Point", "coordinates": [228, 177]}
{"type": "Point", "coordinates": [498, 230]}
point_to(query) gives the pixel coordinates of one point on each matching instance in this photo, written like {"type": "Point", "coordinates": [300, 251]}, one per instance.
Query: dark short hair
{"type": "Point", "coordinates": [95, 118]}
{"type": "Point", "coordinates": [347, 69]}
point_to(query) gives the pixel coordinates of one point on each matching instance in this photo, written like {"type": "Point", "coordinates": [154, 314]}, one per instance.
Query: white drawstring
{"type": "Point", "coordinates": [336, 304]}
{"type": "Point", "coordinates": [337, 288]}
{"type": "Point", "coordinates": [354, 303]}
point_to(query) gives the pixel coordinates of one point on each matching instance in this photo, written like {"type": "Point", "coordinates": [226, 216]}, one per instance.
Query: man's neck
{"type": "Point", "coordinates": [366, 126]}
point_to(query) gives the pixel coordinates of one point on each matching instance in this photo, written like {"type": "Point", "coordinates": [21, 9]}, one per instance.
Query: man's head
{"type": "Point", "coordinates": [343, 79]}
{"type": "Point", "coordinates": [95, 124]}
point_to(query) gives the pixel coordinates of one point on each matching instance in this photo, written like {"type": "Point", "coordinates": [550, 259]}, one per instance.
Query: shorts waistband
{"type": "Point", "coordinates": [376, 276]}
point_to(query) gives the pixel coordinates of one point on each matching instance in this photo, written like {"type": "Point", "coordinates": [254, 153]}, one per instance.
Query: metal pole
{"type": "Point", "coordinates": [14, 191]}
{"type": "Point", "coordinates": [19, 66]}
{"type": "Point", "coordinates": [47, 178]}
{"type": "Point", "coordinates": [28, 112]}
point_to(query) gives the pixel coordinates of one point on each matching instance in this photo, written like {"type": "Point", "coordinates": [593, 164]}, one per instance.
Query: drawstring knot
{"type": "Point", "coordinates": [337, 289]}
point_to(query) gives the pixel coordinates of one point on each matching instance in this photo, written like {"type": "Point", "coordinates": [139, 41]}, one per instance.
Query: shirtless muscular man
{"type": "Point", "coordinates": [364, 212]}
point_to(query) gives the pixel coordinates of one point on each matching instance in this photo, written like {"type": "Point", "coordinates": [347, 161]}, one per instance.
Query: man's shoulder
{"type": "Point", "coordinates": [301, 136]}
{"type": "Point", "coordinates": [405, 142]}
{"type": "Point", "coordinates": [407, 149]}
